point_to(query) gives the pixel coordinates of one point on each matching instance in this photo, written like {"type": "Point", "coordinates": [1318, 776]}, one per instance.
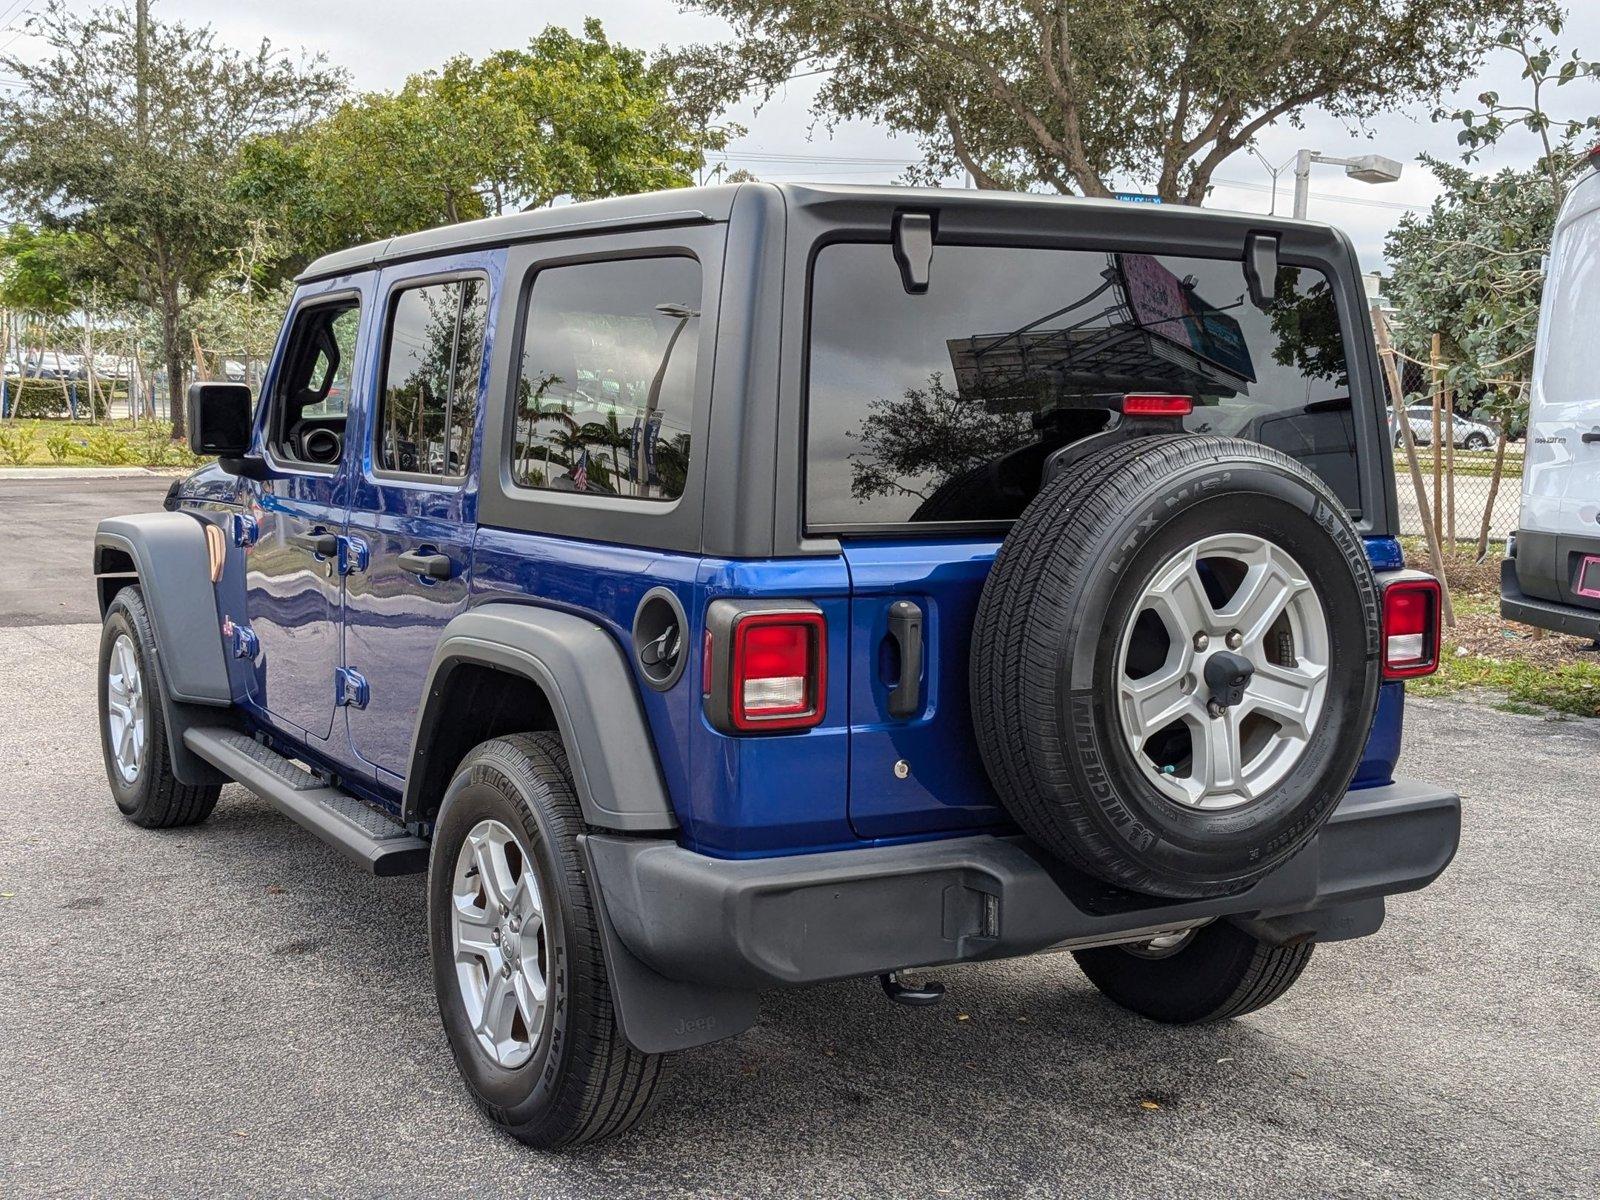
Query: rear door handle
{"type": "Point", "coordinates": [905, 627]}
{"type": "Point", "coordinates": [428, 566]}
{"type": "Point", "coordinates": [319, 542]}
{"type": "Point", "coordinates": [1592, 436]}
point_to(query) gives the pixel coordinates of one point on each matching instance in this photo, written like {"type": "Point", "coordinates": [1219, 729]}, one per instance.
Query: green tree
{"type": "Point", "coordinates": [574, 116]}
{"type": "Point", "coordinates": [1471, 268]}
{"type": "Point", "coordinates": [129, 133]}
{"type": "Point", "coordinates": [1071, 95]}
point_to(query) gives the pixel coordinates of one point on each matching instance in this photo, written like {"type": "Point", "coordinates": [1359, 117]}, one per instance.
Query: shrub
{"type": "Point", "coordinates": [58, 445]}
{"type": "Point", "coordinates": [16, 447]}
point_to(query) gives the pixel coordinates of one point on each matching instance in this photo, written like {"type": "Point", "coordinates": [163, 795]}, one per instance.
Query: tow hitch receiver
{"type": "Point", "coordinates": [913, 995]}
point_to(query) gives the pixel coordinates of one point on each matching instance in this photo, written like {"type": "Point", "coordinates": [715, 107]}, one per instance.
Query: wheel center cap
{"type": "Point", "coordinates": [1227, 676]}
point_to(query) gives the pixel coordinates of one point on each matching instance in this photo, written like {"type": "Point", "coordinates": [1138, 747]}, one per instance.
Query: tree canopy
{"type": "Point", "coordinates": [574, 116]}
{"type": "Point", "coordinates": [1080, 95]}
{"type": "Point", "coordinates": [131, 138]}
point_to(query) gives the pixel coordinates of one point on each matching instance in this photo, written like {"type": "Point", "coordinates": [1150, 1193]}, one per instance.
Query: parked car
{"type": "Point", "coordinates": [1466, 433]}
{"type": "Point", "coordinates": [1550, 577]}
{"type": "Point", "coordinates": [752, 586]}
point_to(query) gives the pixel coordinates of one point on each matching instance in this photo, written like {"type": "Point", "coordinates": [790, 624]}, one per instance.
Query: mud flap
{"type": "Point", "coordinates": [656, 1014]}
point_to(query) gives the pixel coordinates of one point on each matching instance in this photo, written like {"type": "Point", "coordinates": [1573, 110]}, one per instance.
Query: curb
{"type": "Point", "coordinates": [83, 473]}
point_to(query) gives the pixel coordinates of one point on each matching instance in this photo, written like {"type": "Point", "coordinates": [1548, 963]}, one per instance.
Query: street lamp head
{"type": "Point", "coordinates": [1373, 168]}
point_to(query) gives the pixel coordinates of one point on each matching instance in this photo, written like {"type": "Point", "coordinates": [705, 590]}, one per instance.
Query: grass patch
{"type": "Point", "coordinates": [1523, 670]}
{"type": "Point", "coordinates": [42, 442]}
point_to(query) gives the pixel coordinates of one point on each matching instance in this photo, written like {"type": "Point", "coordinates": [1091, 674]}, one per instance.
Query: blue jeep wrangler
{"type": "Point", "coordinates": [759, 585]}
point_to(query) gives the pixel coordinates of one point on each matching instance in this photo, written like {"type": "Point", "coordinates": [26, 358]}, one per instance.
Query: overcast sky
{"type": "Point", "coordinates": [382, 41]}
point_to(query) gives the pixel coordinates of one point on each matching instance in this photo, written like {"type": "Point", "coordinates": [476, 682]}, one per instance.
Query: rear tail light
{"type": "Point", "coordinates": [1410, 627]}
{"type": "Point", "coordinates": [766, 666]}
{"type": "Point", "coordinates": [1156, 404]}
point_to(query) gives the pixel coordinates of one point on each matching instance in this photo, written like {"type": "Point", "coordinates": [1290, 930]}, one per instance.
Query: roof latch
{"type": "Point", "coordinates": [913, 249]}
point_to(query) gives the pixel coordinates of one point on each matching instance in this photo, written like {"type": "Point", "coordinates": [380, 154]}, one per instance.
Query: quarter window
{"type": "Point", "coordinates": [605, 394]}
{"type": "Point", "coordinates": [432, 377]}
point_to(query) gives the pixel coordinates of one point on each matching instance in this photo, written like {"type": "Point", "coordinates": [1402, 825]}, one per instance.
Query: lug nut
{"type": "Point", "coordinates": [516, 925]}
{"type": "Point", "coordinates": [1201, 641]}
{"type": "Point", "coordinates": [494, 937]}
{"type": "Point", "coordinates": [1235, 640]}
{"type": "Point", "coordinates": [506, 970]}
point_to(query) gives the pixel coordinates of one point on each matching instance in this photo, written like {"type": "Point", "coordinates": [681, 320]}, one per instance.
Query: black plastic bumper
{"type": "Point", "coordinates": [771, 922]}
{"type": "Point", "coordinates": [1517, 605]}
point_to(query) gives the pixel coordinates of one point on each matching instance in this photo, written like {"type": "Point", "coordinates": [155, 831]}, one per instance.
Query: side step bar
{"type": "Point", "coordinates": [366, 836]}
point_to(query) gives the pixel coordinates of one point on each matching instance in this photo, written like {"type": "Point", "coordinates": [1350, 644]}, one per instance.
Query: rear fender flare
{"type": "Point", "coordinates": [583, 673]}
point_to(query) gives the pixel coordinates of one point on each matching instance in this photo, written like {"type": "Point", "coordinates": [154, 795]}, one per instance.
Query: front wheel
{"type": "Point", "coordinates": [517, 962]}
{"type": "Point", "coordinates": [1213, 973]}
{"type": "Point", "coordinates": [133, 732]}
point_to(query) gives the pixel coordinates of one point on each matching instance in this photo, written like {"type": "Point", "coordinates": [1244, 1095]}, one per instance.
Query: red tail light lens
{"type": "Point", "coordinates": [1156, 404]}
{"type": "Point", "coordinates": [779, 671]}
{"type": "Point", "coordinates": [1410, 628]}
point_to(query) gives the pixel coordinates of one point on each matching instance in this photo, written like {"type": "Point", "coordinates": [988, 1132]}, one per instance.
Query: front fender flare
{"type": "Point", "coordinates": [582, 671]}
{"type": "Point", "coordinates": [169, 555]}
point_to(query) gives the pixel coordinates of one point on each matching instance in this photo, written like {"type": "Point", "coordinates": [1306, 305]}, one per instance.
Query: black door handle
{"type": "Point", "coordinates": [319, 542]}
{"type": "Point", "coordinates": [429, 566]}
{"type": "Point", "coordinates": [905, 627]}
{"type": "Point", "coordinates": [1592, 436]}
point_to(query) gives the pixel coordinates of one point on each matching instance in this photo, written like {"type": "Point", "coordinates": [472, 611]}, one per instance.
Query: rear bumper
{"type": "Point", "coordinates": [1517, 605]}
{"type": "Point", "coordinates": [778, 922]}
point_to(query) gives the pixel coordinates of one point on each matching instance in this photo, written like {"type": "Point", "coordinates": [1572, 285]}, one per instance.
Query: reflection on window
{"type": "Point", "coordinates": [605, 394]}
{"type": "Point", "coordinates": [946, 406]}
{"type": "Point", "coordinates": [432, 378]}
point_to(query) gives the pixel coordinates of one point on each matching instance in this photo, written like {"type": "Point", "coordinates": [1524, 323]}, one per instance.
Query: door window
{"type": "Point", "coordinates": [605, 396]}
{"type": "Point", "coordinates": [433, 367]}
{"type": "Point", "coordinates": [312, 393]}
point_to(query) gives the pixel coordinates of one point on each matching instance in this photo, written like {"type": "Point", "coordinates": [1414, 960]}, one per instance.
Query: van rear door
{"type": "Point", "coordinates": [1561, 470]}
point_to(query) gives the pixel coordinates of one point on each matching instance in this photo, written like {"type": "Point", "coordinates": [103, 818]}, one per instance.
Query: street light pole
{"type": "Point", "coordinates": [1368, 168]}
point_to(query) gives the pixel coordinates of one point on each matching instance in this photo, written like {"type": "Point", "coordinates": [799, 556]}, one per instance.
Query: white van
{"type": "Point", "coordinates": [1551, 574]}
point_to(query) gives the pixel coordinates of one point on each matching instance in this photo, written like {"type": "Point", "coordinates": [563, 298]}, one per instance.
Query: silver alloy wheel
{"type": "Point", "coordinates": [1203, 755]}
{"type": "Point", "coordinates": [498, 938]}
{"type": "Point", "coordinates": [127, 711]}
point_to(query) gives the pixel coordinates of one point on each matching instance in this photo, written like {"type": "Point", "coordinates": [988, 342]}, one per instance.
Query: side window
{"type": "Point", "coordinates": [433, 367]}
{"type": "Point", "coordinates": [312, 394]}
{"type": "Point", "coordinates": [605, 397]}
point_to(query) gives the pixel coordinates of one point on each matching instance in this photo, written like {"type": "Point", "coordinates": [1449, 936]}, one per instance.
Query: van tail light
{"type": "Point", "coordinates": [1156, 404]}
{"type": "Point", "coordinates": [766, 665]}
{"type": "Point", "coordinates": [1411, 605]}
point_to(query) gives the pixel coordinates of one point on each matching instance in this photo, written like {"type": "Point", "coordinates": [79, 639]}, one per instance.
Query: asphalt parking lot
{"type": "Point", "coordinates": [230, 1010]}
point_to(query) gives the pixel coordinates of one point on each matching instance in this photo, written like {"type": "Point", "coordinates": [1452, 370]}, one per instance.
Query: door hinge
{"type": "Point", "coordinates": [243, 642]}
{"type": "Point", "coordinates": [245, 530]}
{"type": "Point", "coordinates": [349, 687]}
{"type": "Point", "coordinates": [352, 555]}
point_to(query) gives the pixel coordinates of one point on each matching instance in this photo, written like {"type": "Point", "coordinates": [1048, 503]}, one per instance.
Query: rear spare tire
{"type": "Point", "coordinates": [1175, 663]}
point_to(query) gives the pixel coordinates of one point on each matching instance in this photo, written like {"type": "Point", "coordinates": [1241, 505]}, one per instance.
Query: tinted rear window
{"type": "Point", "coordinates": [944, 406]}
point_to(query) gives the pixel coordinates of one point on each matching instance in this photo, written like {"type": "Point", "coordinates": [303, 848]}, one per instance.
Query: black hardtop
{"type": "Point", "coordinates": [997, 213]}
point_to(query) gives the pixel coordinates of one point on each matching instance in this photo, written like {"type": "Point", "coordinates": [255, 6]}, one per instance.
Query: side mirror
{"type": "Point", "coordinates": [220, 420]}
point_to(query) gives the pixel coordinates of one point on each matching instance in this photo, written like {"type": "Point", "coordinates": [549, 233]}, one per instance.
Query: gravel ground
{"type": "Point", "coordinates": [230, 1011]}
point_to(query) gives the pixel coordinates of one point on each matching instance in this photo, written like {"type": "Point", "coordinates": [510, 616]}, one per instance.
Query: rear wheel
{"type": "Point", "coordinates": [1475, 441]}
{"type": "Point", "coordinates": [133, 733]}
{"type": "Point", "coordinates": [1212, 973]}
{"type": "Point", "coordinates": [517, 961]}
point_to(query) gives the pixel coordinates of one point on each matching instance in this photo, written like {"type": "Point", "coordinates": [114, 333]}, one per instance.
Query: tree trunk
{"type": "Point", "coordinates": [172, 347]}
{"type": "Point", "coordinates": [1494, 490]}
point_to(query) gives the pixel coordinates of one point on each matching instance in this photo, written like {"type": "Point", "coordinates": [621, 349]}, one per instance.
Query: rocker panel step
{"type": "Point", "coordinates": [366, 836]}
